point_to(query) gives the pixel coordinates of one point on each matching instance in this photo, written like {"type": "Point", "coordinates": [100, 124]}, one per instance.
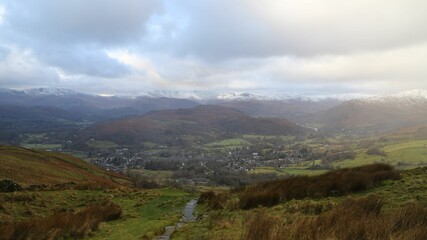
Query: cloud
{"type": "Point", "coordinates": [221, 29]}
{"type": "Point", "coordinates": [20, 69]}
{"type": "Point", "coordinates": [73, 34]}
{"type": "Point", "coordinates": [2, 13]}
{"type": "Point", "coordinates": [4, 52]}
{"type": "Point", "coordinates": [296, 45]}
{"type": "Point", "coordinates": [79, 60]}
{"type": "Point", "coordinates": [77, 21]}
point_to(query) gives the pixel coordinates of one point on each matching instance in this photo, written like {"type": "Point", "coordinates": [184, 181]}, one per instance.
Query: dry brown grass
{"type": "Point", "coordinates": [214, 200]}
{"type": "Point", "coordinates": [62, 225]}
{"type": "Point", "coordinates": [335, 183]}
{"type": "Point", "coordinates": [351, 219]}
{"type": "Point", "coordinates": [35, 167]}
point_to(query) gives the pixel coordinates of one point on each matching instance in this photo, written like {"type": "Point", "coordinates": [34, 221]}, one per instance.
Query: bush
{"type": "Point", "coordinates": [213, 200]}
{"type": "Point", "coordinates": [376, 151]}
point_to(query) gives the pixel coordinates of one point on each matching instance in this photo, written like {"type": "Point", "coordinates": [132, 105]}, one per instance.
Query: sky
{"type": "Point", "coordinates": [295, 46]}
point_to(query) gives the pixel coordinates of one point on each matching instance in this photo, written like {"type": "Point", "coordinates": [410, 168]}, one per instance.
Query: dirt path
{"type": "Point", "coordinates": [187, 216]}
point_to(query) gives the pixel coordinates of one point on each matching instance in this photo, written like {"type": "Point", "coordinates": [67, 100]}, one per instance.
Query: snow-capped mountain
{"type": "Point", "coordinates": [409, 96]}
{"type": "Point", "coordinates": [50, 92]}
{"type": "Point", "coordinates": [416, 96]}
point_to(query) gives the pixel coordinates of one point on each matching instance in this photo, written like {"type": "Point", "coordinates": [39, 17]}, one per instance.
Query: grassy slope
{"type": "Point", "coordinates": [29, 167]}
{"type": "Point", "coordinates": [231, 224]}
{"type": "Point", "coordinates": [407, 154]}
{"type": "Point", "coordinates": [145, 212]}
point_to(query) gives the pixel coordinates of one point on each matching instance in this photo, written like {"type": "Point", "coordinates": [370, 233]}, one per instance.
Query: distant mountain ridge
{"type": "Point", "coordinates": [86, 106]}
{"type": "Point", "coordinates": [203, 123]}
{"type": "Point", "coordinates": [339, 112]}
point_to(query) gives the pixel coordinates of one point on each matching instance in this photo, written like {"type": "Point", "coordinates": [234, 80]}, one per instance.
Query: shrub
{"type": "Point", "coordinates": [376, 151]}
{"type": "Point", "coordinates": [213, 200]}
{"type": "Point", "coordinates": [206, 196]}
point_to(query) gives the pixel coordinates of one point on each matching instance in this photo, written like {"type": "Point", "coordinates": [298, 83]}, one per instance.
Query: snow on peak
{"type": "Point", "coordinates": [49, 91]}
{"type": "Point", "coordinates": [406, 97]}
{"type": "Point", "coordinates": [228, 96]}
{"type": "Point", "coordinates": [192, 95]}
{"type": "Point", "coordinates": [415, 93]}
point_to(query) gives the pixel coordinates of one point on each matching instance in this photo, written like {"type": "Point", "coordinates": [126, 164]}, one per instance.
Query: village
{"type": "Point", "coordinates": [194, 166]}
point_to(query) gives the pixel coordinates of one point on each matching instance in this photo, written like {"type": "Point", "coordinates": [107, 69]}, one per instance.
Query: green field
{"type": "Point", "coordinates": [302, 169]}
{"type": "Point", "coordinates": [234, 142]}
{"type": "Point", "coordinates": [405, 145]}
{"type": "Point", "coordinates": [155, 175]}
{"type": "Point", "coordinates": [102, 145]}
{"type": "Point", "coordinates": [403, 155]}
{"type": "Point", "coordinates": [41, 146]}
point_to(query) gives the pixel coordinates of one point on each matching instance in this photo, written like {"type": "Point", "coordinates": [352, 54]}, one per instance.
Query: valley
{"type": "Point", "coordinates": [213, 120]}
{"type": "Point", "coordinates": [140, 169]}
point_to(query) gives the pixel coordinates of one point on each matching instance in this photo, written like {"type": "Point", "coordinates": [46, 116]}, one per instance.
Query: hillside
{"type": "Point", "coordinates": [185, 126]}
{"type": "Point", "coordinates": [370, 202]}
{"type": "Point", "coordinates": [377, 114]}
{"type": "Point", "coordinates": [78, 200]}
{"type": "Point", "coordinates": [34, 167]}
{"type": "Point", "coordinates": [292, 109]}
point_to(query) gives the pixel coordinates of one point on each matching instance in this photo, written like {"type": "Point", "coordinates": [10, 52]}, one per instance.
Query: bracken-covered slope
{"type": "Point", "coordinates": [34, 167]}
{"type": "Point", "coordinates": [202, 123]}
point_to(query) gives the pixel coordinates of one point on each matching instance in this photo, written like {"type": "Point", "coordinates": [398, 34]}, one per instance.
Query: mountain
{"type": "Point", "coordinates": [33, 167]}
{"type": "Point", "coordinates": [89, 107]}
{"type": "Point", "coordinates": [292, 109]}
{"type": "Point", "coordinates": [203, 123]}
{"type": "Point", "coordinates": [381, 113]}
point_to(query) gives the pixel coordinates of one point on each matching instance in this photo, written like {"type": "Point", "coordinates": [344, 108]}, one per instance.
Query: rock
{"type": "Point", "coordinates": [9, 186]}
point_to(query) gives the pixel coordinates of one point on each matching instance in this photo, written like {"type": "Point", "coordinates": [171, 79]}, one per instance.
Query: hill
{"type": "Point", "coordinates": [33, 167]}
{"type": "Point", "coordinates": [78, 201]}
{"type": "Point", "coordinates": [186, 126]}
{"type": "Point", "coordinates": [369, 202]}
{"type": "Point", "coordinates": [376, 114]}
{"type": "Point", "coordinates": [292, 109]}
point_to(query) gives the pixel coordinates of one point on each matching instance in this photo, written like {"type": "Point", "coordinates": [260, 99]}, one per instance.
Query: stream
{"type": "Point", "coordinates": [187, 216]}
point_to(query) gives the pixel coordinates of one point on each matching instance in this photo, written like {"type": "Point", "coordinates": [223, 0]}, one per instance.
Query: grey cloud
{"type": "Point", "coordinates": [4, 52]}
{"type": "Point", "coordinates": [90, 61]}
{"type": "Point", "coordinates": [296, 45]}
{"type": "Point", "coordinates": [74, 34]}
{"type": "Point", "coordinates": [223, 29]}
{"type": "Point", "coordinates": [77, 21]}
{"type": "Point", "coordinates": [20, 69]}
